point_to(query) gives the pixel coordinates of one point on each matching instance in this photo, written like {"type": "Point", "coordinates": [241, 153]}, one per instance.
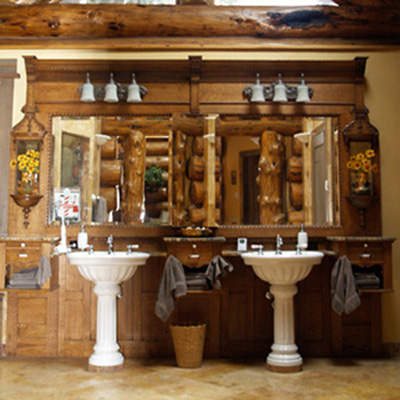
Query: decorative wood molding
{"type": "Point", "coordinates": [73, 23]}
{"type": "Point", "coordinates": [360, 129]}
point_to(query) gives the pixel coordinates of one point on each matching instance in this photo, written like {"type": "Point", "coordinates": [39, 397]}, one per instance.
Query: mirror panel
{"type": "Point", "coordinates": [184, 170]}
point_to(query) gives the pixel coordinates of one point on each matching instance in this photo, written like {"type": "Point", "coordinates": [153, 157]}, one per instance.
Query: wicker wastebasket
{"type": "Point", "coordinates": [188, 342]}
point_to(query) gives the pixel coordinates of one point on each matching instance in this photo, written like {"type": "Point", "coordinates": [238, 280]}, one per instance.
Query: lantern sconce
{"type": "Point", "coordinates": [112, 92]}
{"type": "Point", "coordinates": [278, 91]}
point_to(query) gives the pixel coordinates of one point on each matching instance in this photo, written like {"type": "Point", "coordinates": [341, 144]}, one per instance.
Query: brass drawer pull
{"type": "Point", "coordinates": [365, 255]}
{"type": "Point", "coordinates": [194, 255]}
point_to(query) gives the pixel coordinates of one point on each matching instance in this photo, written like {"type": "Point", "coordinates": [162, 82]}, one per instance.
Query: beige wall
{"type": "Point", "coordinates": [382, 98]}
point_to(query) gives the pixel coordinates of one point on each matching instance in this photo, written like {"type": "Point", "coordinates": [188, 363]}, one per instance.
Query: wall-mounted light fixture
{"type": "Point", "coordinates": [112, 92]}
{"type": "Point", "coordinates": [278, 91]}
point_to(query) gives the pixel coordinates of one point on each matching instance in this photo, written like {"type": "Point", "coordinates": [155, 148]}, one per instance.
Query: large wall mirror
{"type": "Point", "coordinates": [206, 170]}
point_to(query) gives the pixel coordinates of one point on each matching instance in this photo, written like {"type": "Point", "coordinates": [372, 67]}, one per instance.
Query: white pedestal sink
{"type": "Point", "coordinates": [283, 271]}
{"type": "Point", "coordinates": [107, 271]}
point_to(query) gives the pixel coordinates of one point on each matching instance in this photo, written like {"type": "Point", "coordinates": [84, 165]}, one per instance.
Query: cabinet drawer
{"type": "Point", "coordinates": [18, 259]}
{"type": "Point", "coordinates": [366, 254]}
{"type": "Point", "coordinates": [194, 255]}
{"type": "Point", "coordinates": [25, 256]}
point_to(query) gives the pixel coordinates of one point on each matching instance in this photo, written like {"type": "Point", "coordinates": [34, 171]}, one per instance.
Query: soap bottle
{"type": "Point", "coordinates": [302, 239]}
{"type": "Point", "coordinates": [82, 239]}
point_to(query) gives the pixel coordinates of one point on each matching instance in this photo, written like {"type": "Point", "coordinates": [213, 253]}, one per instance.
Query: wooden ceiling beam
{"type": "Point", "coordinates": [66, 22]}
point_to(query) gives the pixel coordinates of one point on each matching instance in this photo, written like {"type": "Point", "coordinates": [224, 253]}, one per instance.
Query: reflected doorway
{"type": "Point", "coordinates": [249, 171]}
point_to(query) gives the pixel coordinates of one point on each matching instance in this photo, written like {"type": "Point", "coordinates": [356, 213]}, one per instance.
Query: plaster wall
{"type": "Point", "coordinates": [382, 90]}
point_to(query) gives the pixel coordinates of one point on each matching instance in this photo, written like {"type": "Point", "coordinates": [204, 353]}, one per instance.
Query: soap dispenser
{"type": "Point", "coordinates": [302, 239]}
{"type": "Point", "coordinates": [82, 239]}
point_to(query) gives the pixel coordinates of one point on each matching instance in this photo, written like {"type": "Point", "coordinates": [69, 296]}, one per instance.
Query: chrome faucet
{"type": "Point", "coordinates": [258, 247]}
{"type": "Point", "coordinates": [110, 242]}
{"type": "Point", "coordinates": [279, 243]}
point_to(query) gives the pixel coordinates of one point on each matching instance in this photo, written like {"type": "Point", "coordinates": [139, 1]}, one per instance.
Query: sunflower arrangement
{"type": "Point", "coordinates": [362, 162]}
{"type": "Point", "coordinates": [28, 166]}
{"type": "Point", "coordinates": [28, 162]}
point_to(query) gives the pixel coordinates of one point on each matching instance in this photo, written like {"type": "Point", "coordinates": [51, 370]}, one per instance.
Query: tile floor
{"type": "Point", "coordinates": [322, 379]}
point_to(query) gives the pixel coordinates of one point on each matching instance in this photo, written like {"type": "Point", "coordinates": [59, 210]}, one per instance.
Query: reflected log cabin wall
{"type": "Point", "coordinates": [239, 317]}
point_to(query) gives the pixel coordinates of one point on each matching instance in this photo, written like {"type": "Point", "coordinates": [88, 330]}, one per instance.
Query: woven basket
{"type": "Point", "coordinates": [188, 344]}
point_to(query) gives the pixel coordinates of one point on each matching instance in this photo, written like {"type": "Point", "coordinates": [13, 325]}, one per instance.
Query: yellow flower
{"type": "Point", "coordinates": [22, 165]}
{"type": "Point", "coordinates": [356, 165]}
{"type": "Point", "coordinates": [353, 158]}
{"type": "Point", "coordinates": [349, 164]}
{"type": "Point", "coordinates": [30, 168]}
{"type": "Point", "coordinates": [370, 153]}
{"type": "Point", "coordinates": [375, 167]}
{"type": "Point", "coordinates": [366, 162]}
{"type": "Point", "coordinates": [360, 156]}
{"type": "Point", "coordinates": [367, 167]}
{"type": "Point", "coordinates": [13, 163]}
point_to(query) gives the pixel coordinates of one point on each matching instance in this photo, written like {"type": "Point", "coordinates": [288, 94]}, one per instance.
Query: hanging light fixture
{"type": "Point", "coordinates": [87, 92]}
{"type": "Point", "coordinates": [257, 94]}
{"type": "Point", "coordinates": [303, 92]}
{"type": "Point", "coordinates": [134, 92]}
{"type": "Point", "coordinates": [112, 92]}
{"type": "Point", "coordinates": [278, 91]}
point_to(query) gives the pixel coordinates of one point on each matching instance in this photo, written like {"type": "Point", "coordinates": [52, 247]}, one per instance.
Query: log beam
{"type": "Point", "coordinates": [102, 21]}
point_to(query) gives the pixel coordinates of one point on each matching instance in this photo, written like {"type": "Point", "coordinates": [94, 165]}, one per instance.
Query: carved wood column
{"type": "Point", "coordinates": [179, 213]}
{"type": "Point", "coordinates": [270, 179]}
{"type": "Point", "coordinates": [134, 166]}
{"type": "Point", "coordinates": [209, 177]}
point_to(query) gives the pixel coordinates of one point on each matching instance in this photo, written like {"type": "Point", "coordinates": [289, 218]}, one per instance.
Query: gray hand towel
{"type": "Point", "coordinates": [44, 271]}
{"type": "Point", "coordinates": [217, 268]}
{"type": "Point", "coordinates": [172, 285]}
{"type": "Point", "coordinates": [345, 295]}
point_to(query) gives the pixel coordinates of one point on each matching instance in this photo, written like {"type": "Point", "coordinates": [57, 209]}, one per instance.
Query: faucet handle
{"type": "Point", "coordinates": [130, 247]}
{"type": "Point", "coordinates": [91, 249]}
{"type": "Point", "coordinates": [258, 247]}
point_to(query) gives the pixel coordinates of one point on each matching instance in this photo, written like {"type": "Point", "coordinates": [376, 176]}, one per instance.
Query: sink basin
{"type": "Point", "coordinates": [284, 268]}
{"type": "Point", "coordinates": [283, 271]}
{"type": "Point", "coordinates": [107, 271]}
{"type": "Point", "coordinates": [103, 267]}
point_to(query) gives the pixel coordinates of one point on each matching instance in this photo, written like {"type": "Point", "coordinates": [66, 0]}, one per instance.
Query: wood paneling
{"type": "Point", "coordinates": [32, 323]}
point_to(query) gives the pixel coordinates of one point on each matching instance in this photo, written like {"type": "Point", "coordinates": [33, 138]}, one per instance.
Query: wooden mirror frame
{"type": "Point", "coordinates": [204, 87]}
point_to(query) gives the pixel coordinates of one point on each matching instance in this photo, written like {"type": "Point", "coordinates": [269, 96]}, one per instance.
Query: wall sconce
{"type": "Point", "coordinates": [112, 92]}
{"type": "Point", "coordinates": [278, 91]}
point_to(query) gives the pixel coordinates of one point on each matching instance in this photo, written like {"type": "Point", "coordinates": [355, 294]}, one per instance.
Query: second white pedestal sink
{"type": "Point", "coordinates": [283, 271]}
{"type": "Point", "coordinates": [107, 271]}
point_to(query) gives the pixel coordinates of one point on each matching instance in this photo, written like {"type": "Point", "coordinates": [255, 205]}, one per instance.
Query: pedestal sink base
{"type": "Point", "coordinates": [107, 271]}
{"type": "Point", "coordinates": [95, 368]}
{"type": "Point", "coordinates": [289, 370]}
{"type": "Point", "coordinates": [283, 270]}
{"type": "Point", "coordinates": [284, 356]}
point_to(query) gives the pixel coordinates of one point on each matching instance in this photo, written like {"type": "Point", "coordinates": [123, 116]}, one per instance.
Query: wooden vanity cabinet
{"type": "Point", "coordinates": [31, 327]}
{"type": "Point", "coordinates": [203, 306]}
{"type": "Point", "coordinates": [24, 253]}
{"type": "Point", "coordinates": [360, 332]}
{"type": "Point", "coordinates": [367, 252]}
